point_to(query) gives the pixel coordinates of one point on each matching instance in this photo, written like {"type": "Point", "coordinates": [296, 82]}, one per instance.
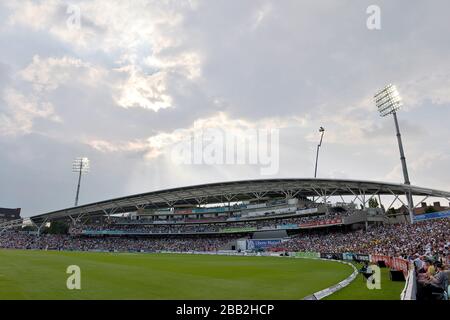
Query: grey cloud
{"type": "Point", "coordinates": [302, 58]}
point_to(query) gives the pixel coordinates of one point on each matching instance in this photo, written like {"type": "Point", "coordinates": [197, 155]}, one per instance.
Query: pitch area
{"type": "Point", "coordinates": [42, 275]}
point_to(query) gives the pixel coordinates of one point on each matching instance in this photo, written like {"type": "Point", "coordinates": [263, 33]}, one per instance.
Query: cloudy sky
{"type": "Point", "coordinates": [133, 79]}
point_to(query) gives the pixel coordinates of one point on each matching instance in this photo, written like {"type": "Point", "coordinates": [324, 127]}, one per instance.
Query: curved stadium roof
{"type": "Point", "coordinates": [223, 192]}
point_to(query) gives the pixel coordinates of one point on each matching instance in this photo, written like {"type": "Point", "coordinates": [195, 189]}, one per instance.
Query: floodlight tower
{"type": "Point", "coordinates": [322, 131]}
{"type": "Point", "coordinates": [388, 101]}
{"type": "Point", "coordinates": [81, 166]}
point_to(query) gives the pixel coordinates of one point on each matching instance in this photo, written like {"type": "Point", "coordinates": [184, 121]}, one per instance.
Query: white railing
{"type": "Point", "coordinates": [410, 289]}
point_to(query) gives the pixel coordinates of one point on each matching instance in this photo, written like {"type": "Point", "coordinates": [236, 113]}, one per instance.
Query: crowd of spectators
{"type": "Point", "coordinates": [423, 239]}
{"type": "Point", "coordinates": [428, 238]}
{"type": "Point", "coordinates": [23, 240]}
{"type": "Point", "coordinates": [432, 279]}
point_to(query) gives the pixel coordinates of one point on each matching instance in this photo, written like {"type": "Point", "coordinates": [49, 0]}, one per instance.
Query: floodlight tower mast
{"type": "Point", "coordinates": [322, 131]}
{"type": "Point", "coordinates": [388, 101]}
{"type": "Point", "coordinates": [400, 147]}
{"type": "Point", "coordinates": [81, 166]}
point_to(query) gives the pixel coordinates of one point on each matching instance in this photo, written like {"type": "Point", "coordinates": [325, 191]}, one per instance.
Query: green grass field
{"type": "Point", "coordinates": [42, 275]}
{"type": "Point", "coordinates": [357, 290]}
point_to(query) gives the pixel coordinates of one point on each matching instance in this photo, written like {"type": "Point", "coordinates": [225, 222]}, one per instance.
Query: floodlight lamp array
{"type": "Point", "coordinates": [81, 164]}
{"type": "Point", "coordinates": [388, 100]}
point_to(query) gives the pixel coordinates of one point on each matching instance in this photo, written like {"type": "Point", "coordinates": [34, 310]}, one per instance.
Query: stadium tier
{"type": "Point", "coordinates": [427, 238]}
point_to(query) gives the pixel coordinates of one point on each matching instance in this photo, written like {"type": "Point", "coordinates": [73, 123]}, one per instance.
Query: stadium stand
{"type": "Point", "coordinates": [7, 214]}
{"type": "Point", "coordinates": [428, 238]}
{"type": "Point", "coordinates": [27, 241]}
{"type": "Point", "coordinates": [275, 223]}
{"type": "Point", "coordinates": [293, 226]}
{"type": "Point", "coordinates": [423, 245]}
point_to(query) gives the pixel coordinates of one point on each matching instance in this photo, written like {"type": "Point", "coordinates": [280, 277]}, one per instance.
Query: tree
{"type": "Point", "coordinates": [373, 203]}
{"type": "Point", "coordinates": [29, 228]}
{"type": "Point", "coordinates": [391, 211]}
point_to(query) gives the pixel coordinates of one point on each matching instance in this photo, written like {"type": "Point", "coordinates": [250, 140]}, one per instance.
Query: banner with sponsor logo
{"type": "Point", "coordinates": [262, 244]}
{"type": "Point", "coordinates": [433, 215]}
{"type": "Point", "coordinates": [398, 264]}
{"type": "Point", "coordinates": [210, 210]}
{"type": "Point", "coordinates": [322, 223]}
{"type": "Point", "coordinates": [378, 257]}
{"type": "Point", "coordinates": [307, 254]}
{"type": "Point", "coordinates": [185, 211]}
{"type": "Point", "coordinates": [347, 256]}
{"type": "Point", "coordinates": [355, 256]}
{"type": "Point", "coordinates": [334, 256]}
{"type": "Point", "coordinates": [361, 257]}
{"type": "Point", "coordinates": [287, 226]}
{"type": "Point", "coordinates": [230, 230]}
